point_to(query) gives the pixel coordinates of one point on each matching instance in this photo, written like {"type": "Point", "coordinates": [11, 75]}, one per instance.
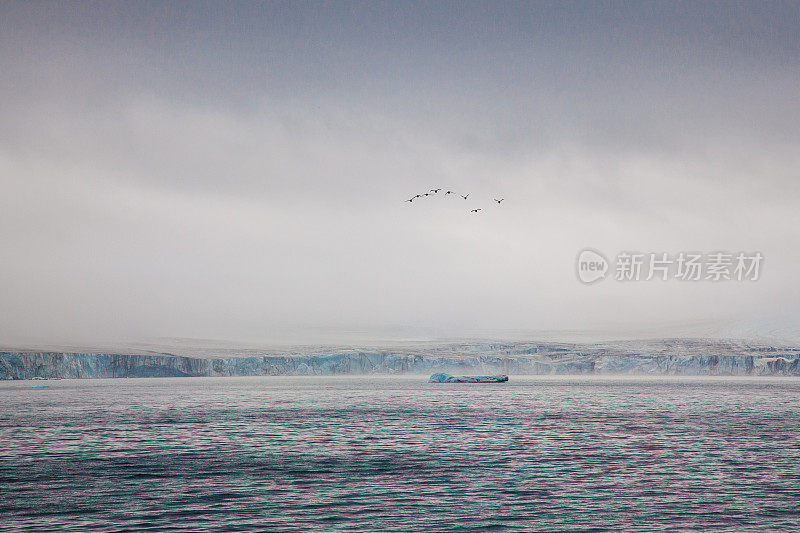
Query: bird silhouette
{"type": "Point", "coordinates": [464, 197]}
{"type": "Point", "coordinates": [435, 190]}
{"type": "Point", "coordinates": [500, 200]}
{"type": "Point", "coordinates": [475, 210]}
{"type": "Point", "coordinates": [426, 194]}
{"type": "Point", "coordinates": [448, 192]}
{"type": "Point", "coordinates": [417, 196]}
{"type": "Point", "coordinates": [410, 200]}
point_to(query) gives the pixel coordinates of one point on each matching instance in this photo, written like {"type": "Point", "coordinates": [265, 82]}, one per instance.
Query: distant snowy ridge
{"type": "Point", "coordinates": [659, 357]}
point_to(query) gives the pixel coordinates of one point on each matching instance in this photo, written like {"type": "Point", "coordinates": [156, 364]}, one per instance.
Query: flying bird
{"type": "Point", "coordinates": [464, 197]}
{"type": "Point", "coordinates": [435, 190]}
{"type": "Point", "coordinates": [426, 194]}
{"type": "Point", "coordinates": [500, 200]}
{"type": "Point", "coordinates": [410, 200]}
{"type": "Point", "coordinates": [418, 196]}
{"type": "Point", "coordinates": [448, 192]}
{"type": "Point", "coordinates": [475, 210]}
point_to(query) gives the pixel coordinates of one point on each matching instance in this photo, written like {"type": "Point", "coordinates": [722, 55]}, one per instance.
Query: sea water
{"type": "Point", "coordinates": [400, 454]}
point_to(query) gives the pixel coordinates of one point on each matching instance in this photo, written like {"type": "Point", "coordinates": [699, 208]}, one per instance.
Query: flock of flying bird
{"type": "Point", "coordinates": [464, 196]}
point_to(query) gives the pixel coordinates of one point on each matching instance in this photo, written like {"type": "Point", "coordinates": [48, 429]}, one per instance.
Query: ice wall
{"type": "Point", "coordinates": [491, 358]}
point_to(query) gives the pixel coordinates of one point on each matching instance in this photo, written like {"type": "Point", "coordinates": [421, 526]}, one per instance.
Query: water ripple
{"type": "Point", "coordinates": [399, 454]}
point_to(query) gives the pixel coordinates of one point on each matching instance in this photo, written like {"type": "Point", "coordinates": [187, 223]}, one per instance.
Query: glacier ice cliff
{"type": "Point", "coordinates": [666, 356]}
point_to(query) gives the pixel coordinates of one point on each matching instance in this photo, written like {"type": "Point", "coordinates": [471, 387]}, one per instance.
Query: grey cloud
{"type": "Point", "coordinates": [201, 172]}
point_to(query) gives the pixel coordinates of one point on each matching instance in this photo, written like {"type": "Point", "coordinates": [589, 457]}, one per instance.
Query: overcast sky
{"type": "Point", "coordinates": [235, 170]}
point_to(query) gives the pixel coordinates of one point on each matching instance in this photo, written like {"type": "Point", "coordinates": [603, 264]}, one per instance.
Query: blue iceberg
{"type": "Point", "coordinates": [441, 377]}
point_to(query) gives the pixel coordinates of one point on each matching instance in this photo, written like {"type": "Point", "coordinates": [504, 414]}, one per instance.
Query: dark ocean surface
{"type": "Point", "coordinates": [399, 454]}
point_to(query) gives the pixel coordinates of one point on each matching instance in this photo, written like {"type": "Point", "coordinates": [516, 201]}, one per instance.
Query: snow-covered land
{"type": "Point", "coordinates": [664, 356]}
